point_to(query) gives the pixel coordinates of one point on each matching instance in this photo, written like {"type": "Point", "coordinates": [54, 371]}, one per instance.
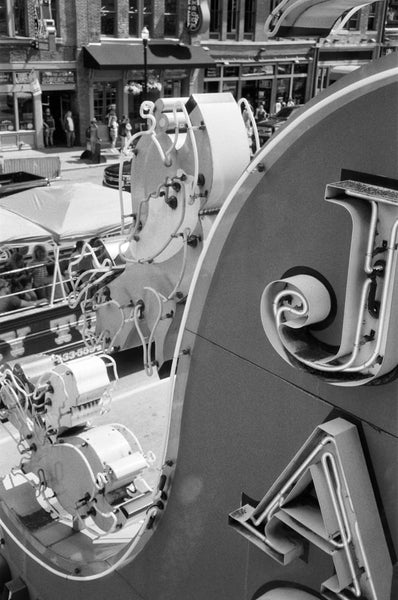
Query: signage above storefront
{"type": "Point", "coordinates": [57, 77]}
{"type": "Point", "coordinates": [5, 77]}
{"type": "Point", "coordinates": [198, 16]}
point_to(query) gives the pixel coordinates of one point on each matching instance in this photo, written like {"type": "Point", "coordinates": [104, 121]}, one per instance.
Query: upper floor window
{"type": "Point", "coordinates": [140, 15]}
{"type": "Point", "coordinates": [13, 18]}
{"type": "Point", "coordinates": [232, 17]}
{"type": "Point", "coordinates": [108, 17]}
{"type": "Point", "coordinates": [170, 18]}
{"type": "Point", "coordinates": [250, 17]}
{"type": "Point", "coordinates": [3, 18]}
{"type": "Point", "coordinates": [392, 14]}
{"type": "Point", "coordinates": [215, 17]}
{"type": "Point", "coordinates": [371, 24]}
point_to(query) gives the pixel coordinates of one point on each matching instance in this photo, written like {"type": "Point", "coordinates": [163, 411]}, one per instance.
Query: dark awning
{"type": "Point", "coordinates": [131, 56]}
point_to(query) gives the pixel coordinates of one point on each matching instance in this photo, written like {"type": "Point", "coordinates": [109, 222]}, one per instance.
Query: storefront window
{"type": "Point", "coordinates": [284, 69]}
{"type": "Point", "coordinates": [170, 18]}
{"type": "Point", "coordinates": [7, 118]}
{"type": "Point", "coordinates": [231, 86]}
{"type": "Point", "coordinates": [104, 96]}
{"type": "Point", "coordinates": [108, 17]}
{"type": "Point", "coordinates": [231, 71]}
{"type": "Point", "coordinates": [301, 68]}
{"type": "Point", "coordinates": [212, 72]}
{"type": "Point", "coordinates": [211, 87]}
{"type": "Point", "coordinates": [25, 110]}
{"type": "Point", "coordinates": [298, 92]}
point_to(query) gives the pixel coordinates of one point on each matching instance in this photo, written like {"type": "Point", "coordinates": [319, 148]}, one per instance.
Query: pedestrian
{"type": "Point", "coordinates": [261, 113]}
{"type": "Point", "coordinates": [113, 130]}
{"type": "Point", "coordinates": [129, 132]}
{"type": "Point", "coordinates": [125, 129]}
{"type": "Point", "coordinates": [49, 128]}
{"type": "Point", "coordinates": [69, 128]}
{"type": "Point", "coordinates": [279, 104]}
{"type": "Point", "coordinates": [95, 141]}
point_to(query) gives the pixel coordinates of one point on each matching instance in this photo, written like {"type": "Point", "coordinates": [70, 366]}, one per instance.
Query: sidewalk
{"type": "Point", "coordinates": [69, 157]}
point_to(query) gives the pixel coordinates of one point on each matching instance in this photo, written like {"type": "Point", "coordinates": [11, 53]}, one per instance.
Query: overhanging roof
{"type": "Point", "coordinates": [308, 18]}
{"type": "Point", "coordinates": [131, 56]}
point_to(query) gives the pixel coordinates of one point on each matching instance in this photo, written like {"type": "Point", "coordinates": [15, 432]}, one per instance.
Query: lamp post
{"type": "Point", "coordinates": [145, 38]}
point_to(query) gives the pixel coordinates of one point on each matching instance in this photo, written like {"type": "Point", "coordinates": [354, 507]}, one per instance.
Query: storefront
{"type": "Point", "coordinates": [117, 76]}
{"type": "Point", "coordinates": [23, 96]}
{"type": "Point", "coordinates": [261, 82]}
{"type": "Point", "coordinates": [20, 110]}
{"type": "Point", "coordinates": [59, 95]}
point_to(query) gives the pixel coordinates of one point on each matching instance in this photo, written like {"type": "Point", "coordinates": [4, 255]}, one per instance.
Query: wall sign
{"type": "Point", "coordinates": [57, 77]}
{"type": "Point", "coordinates": [6, 77]}
{"type": "Point", "coordinates": [198, 16]}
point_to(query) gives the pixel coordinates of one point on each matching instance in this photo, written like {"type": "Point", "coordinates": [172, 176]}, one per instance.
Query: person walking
{"type": "Point", "coordinates": [49, 128]}
{"type": "Point", "coordinates": [69, 128]}
{"type": "Point", "coordinates": [95, 141]}
{"type": "Point", "coordinates": [113, 131]}
{"type": "Point", "coordinates": [261, 113]}
{"type": "Point", "coordinates": [125, 129]}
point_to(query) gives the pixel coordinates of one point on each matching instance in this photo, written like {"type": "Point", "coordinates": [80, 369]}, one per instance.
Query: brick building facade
{"type": "Point", "coordinates": [86, 55]}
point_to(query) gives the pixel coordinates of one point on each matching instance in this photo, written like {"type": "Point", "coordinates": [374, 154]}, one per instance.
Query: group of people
{"type": "Point", "coordinates": [68, 125]}
{"type": "Point", "coordinates": [25, 282]}
{"type": "Point", "coordinates": [260, 114]}
{"type": "Point", "coordinates": [118, 129]}
{"type": "Point", "coordinates": [122, 129]}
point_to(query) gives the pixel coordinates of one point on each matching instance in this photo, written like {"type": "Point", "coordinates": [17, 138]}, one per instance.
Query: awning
{"type": "Point", "coordinates": [131, 56]}
{"type": "Point", "coordinates": [308, 18]}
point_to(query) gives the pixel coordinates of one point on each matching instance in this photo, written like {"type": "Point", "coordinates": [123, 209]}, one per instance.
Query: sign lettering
{"type": "Point", "coordinates": [198, 16]}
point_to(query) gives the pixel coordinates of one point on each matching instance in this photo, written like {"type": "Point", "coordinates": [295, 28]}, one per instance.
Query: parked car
{"type": "Point", "coordinates": [268, 127]}
{"type": "Point", "coordinates": [111, 175]}
{"type": "Point", "coordinates": [18, 181]}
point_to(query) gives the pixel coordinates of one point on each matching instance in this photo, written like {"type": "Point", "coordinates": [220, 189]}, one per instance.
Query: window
{"type": "Point", "coordinates": [133, 18]}
{"type": "Point", "coordinates": [170, 18]}
{"type": "Point", "coordinates": [19, 17]}
{"type": "Point", "coordinates": [108, 17]}
{"type": "Point", "coordinates": [215, 18]}
{"type": "Point", "coordinates": [250, 17]}
{"type": "Point", "coordinates": [147, 21]}
{"type": "Point", "coordinates": [3, 18]}
{"type": "Point", "coordinates": [232, 17]}
{"type": "Point", "coordinates": [13, 21]}
{"type": "Point", "coordinates": [25, 110]}
{"type": "Point", "coordinates": [371, 24]}
{"type": "Point", "coordinates": [104, 97]}
{"type": "Point", "coordinates": [140, 15]}
{"type": "Point", "coordinates": [7, 118]}
{"type": "Point", "coordinates": [392, 14]}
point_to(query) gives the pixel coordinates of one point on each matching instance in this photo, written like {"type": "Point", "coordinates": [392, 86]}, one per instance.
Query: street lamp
{"type": "Point", "coordinates": [145, 38]}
